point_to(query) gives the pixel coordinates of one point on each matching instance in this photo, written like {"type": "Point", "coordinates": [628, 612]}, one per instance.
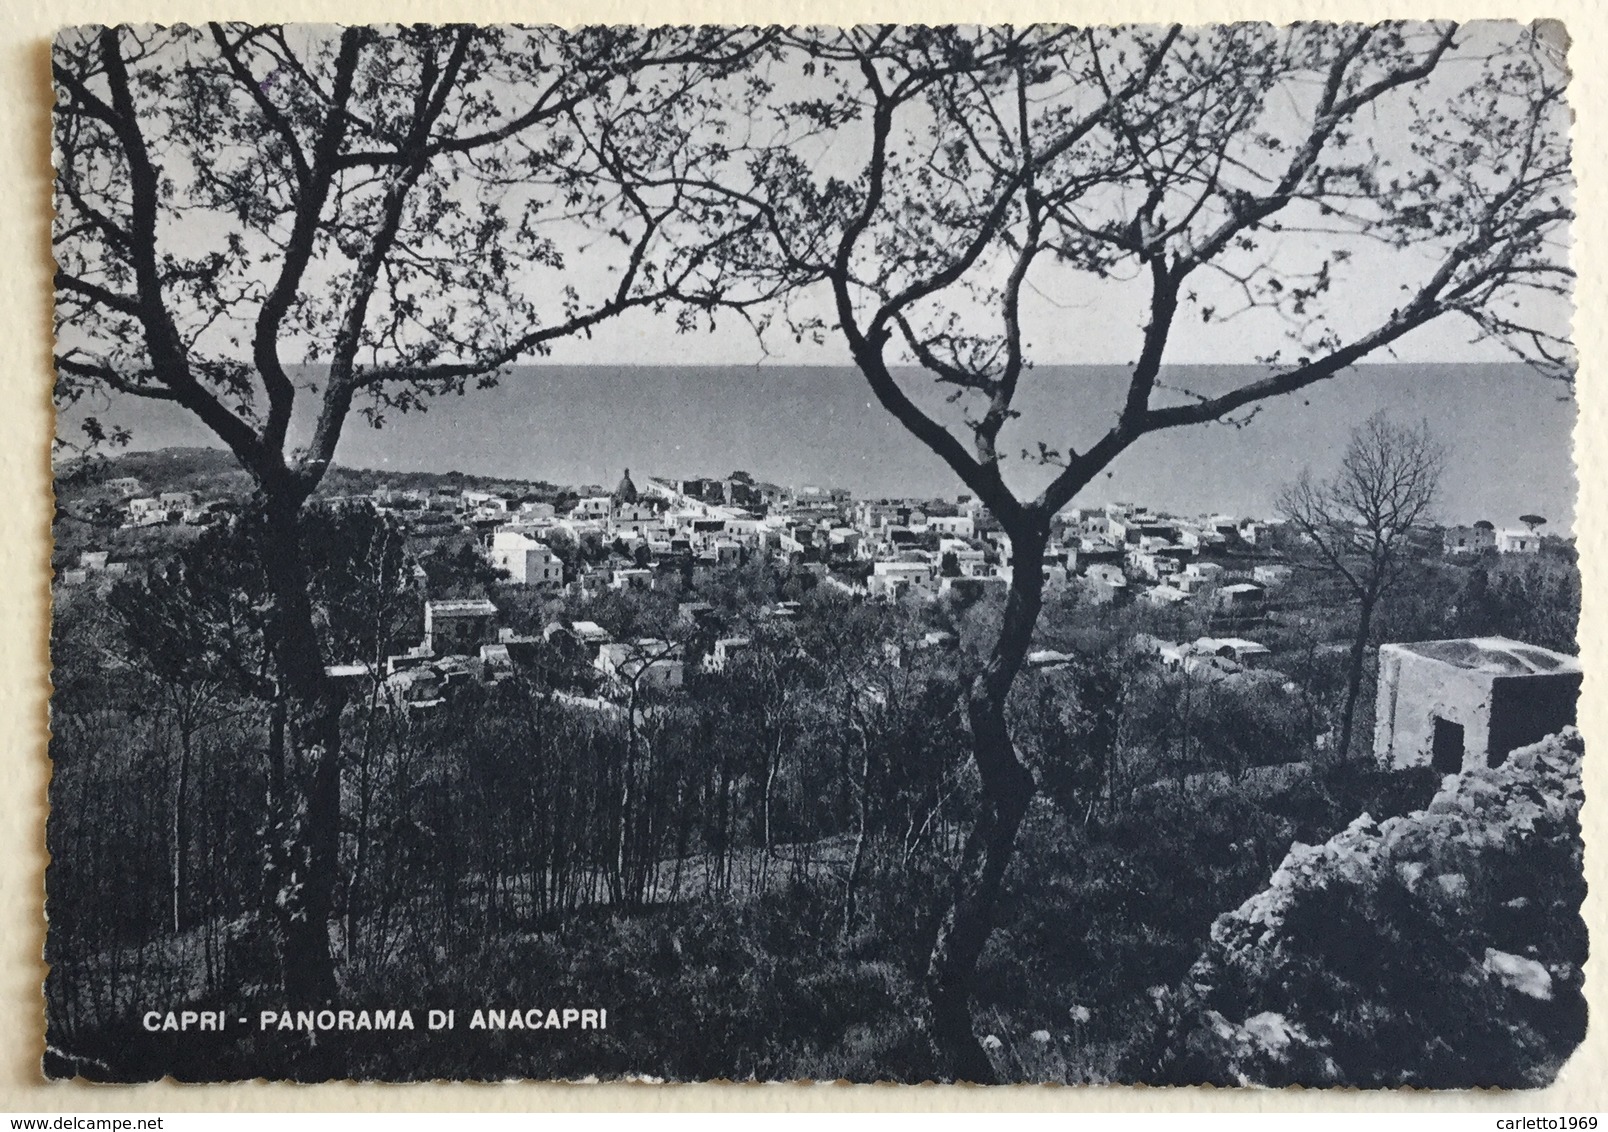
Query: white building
{"type": "Point", "coordinates": [631, 578]}
{"type": "Point", "coordinates": [635, 519]}
{"type": "Point", "coordinates": [726, 650]}
{"type": "Point", "coordinates": [1513, 541]}
{"type": "Point", "coordinates": [528, 562]}
{"type": "Point", "coordinates": [485, 505]}
{"type": "Point", "coordinates": [597, 507]}
{"type": "Point", "coordinates": [909, 571]}
{"type": "Point", "coordinates": [1247, 654]}
{"type": "Point", "coordinates": [1165, 595]}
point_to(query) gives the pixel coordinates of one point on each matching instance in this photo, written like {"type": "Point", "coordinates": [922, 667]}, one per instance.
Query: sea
{"type": "Point", "coordinates": [1506, 430]}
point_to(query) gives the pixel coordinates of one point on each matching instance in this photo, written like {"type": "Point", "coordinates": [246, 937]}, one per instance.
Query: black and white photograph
{"type": "Point", "coordinates": [884, 553]}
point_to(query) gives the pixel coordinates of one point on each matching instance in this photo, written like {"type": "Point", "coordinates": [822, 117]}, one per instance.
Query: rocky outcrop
{"type": "Point", "coordinates": [1441, 949]}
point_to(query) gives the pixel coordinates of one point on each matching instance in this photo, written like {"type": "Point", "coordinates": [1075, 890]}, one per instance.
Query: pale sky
{"type": "Point", "coordinates": [1067, 318]}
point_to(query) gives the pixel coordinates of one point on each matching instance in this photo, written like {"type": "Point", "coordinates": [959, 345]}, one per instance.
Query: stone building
{"type": "Point", "coordinates": [459, 628]}
{"type": "Point", "coordinates": [1459, 704]}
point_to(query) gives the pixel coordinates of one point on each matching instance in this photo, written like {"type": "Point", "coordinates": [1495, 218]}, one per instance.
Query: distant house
{"type": "Point", "coordinates": [1459, 704]}
{"type": "Point", "coordinates": [631, 578]}
{"type": "Point", "coordinates": [1247, 654]}
{"type": "Point", "coordinates": [915, 566]}
{"type": "Point", "coordinates": [896, 578]}
{"type": "Point", "coordinates": [590, 634]}
{"type": "Point", "coordinates": [726, 650]}
{"type": "Point", "coordinates": [1105, 583]}
{"type": "Point", "coordinates": [1207, 666]}
{"type": "Point", "coordinates": [459, 628]}
{"type": "Point", "coordinates": [420, 689]}
{"type": "Point", "coordinates": [1152, 565]}
{"type": "Point", "coordinates": [596, 507]}
{"type": "Point", "coordinates": [527, 562]}
{"type": "Point", "coordinates": [484, 504]}
{"type": "Point", "coordinates": [124, 486]}
{"type": "Point", "coordinates": [1241, 597]}
{"type": "Point", "coordinates": [635, 518]}
{"type": "Point", "coordinates": [1165, 595]}
{"type": "Point", "coordinates": [890, 587]}
{"type": "Point", "coordinates": [496, 661]}
{"type": "Point", "coordinates": [146, 511]}
{"type": "Point", "coordinates": [1518, 542]}
{"type": "Point", "coordinates": [843, 540]}
{"type": "Point", "coordinates": [1204, 571]}
{"type": "Point", "coordinates": [1190, 584]}
{"type": "Point", "coordinates": [646, 663]}
{"type": "Point", "coordinates": [1197, 576]}
{"type": "Point", "coordinates": [1272, 575]}
{"type": "Point", "coordinates": [1469, 540]}
{"type": "Point", "coordinates": [416, 657]}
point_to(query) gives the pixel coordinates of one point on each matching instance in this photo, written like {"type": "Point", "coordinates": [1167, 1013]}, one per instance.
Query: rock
{"type": "Point", "coordinates": [1411, 872]}
{"type": "Point", "coordinates": [1274, 1032]}
{"type": "Point", "coordinates": [1350, 968]}
{"type": "Point", "coordinates": [1518, 973]}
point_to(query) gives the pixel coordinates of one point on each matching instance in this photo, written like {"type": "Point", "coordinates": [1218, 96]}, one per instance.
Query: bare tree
{"type": "Point", "coordinates": [1361, 524]}
{"type": "Point", "coordinates": [250, 218]}
{"type": "Point", "coordinates": [1233, 172]}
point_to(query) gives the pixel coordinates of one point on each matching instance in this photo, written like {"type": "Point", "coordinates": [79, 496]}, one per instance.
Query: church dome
{"type": "Point", "coordinates": [627, 491]}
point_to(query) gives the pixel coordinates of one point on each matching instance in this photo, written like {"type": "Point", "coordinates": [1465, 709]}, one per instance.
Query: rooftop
{"type": "Point", "coordinates": [466, 607]}
{"type": "Point", "coordinates": [1238, 644]}
{"type": "Point", "coordinates": [1496, 655]}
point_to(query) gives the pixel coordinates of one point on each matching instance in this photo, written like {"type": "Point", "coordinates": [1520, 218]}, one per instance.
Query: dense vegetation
{"type": "Point", "coordinates": [742, 871]}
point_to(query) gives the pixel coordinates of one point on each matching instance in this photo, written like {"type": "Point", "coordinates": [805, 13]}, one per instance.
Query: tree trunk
{"type": "Point", "coordinates": [1007, 788]}
{"type": "Point", "coordinates": [861, 825]}
{"type": "Point", "coordinates": [1359, 651]}
{"type": "Point", "coordinates": [181, 792]}
{"type": "Point", "coordinates": [773, 758]}
{"type": "Point", "coordinates": [304, 820]}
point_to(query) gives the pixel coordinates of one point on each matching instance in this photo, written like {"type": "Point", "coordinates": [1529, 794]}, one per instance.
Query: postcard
{"type": "Point", "coordinates": [890, 553]}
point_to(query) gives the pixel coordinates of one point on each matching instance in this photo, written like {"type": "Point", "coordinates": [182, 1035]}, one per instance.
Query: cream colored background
{"type": "Point", "coordinates": [25, 426]}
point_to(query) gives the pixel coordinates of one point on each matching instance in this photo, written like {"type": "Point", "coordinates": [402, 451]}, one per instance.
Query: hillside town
{"type": "Point", "coordinates": [665, 534]}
